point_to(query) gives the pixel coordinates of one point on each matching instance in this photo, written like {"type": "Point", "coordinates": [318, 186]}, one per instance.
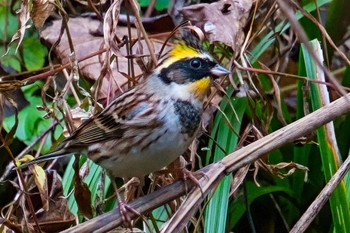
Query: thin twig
{"type": "Point", "coordinates": [136, 11]}
{"type": "Point", "coordinates": [321, 199]}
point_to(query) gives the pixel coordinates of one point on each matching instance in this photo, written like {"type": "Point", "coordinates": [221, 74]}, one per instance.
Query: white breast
{"type": "Point", "coordinates": [168, 143]}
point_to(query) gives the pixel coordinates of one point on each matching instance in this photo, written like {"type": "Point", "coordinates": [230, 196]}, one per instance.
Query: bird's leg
{"type": "Point", "coordinates": [123, 208]}
{"type": "Point", "coordinates": [178, 168]}
{"type": "Point", "coordinates": [187, 174]}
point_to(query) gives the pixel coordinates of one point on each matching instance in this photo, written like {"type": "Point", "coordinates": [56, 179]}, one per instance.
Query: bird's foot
{"type": "Point", "coordinates": [194, 177]}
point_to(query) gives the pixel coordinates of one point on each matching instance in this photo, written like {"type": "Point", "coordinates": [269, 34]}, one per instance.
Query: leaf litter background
{"type": "Point", "coordinates": [96, 51]}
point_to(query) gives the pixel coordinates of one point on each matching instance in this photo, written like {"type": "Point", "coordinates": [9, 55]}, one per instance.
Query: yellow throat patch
{"type": "Point", "coordinates": [200, 88]}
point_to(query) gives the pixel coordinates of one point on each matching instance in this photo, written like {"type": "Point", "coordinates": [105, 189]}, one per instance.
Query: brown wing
{"type": "Point", "coordinates": [129, 110]}
{"type": "Point", "coordinates": [97, 129]}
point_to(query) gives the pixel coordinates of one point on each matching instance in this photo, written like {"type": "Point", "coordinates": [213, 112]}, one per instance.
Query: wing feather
{"type": "Point", "coordinates": [115, 120]}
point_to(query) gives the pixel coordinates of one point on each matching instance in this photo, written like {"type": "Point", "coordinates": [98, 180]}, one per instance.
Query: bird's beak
{"type": "Point", "coordinates": [218, 70]}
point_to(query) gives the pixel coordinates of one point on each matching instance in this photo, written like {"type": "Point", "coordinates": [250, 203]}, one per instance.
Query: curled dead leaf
{"type": "Point", "coordinates": [222, 21]}
{"type": "Point", "coordinates": [23, 19]}
{"type": "Point", "coordinates": [90, 55]}
{"type": "Point", "coordinates": [110, 25]}
{"type": "Point", "coordinates": [277, 169]}
{"type": "Point", "coordinates": [41, 10]}
{"type": "Point", "coordinates": [40, 180]}
{"type": "Point", "coordinates": [82, 195]}
{"type": "Point", "coordinates": [56, 217]}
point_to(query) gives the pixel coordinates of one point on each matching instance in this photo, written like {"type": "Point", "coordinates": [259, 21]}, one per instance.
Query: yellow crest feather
{"type": "Point", "coordinates": [182, 50]}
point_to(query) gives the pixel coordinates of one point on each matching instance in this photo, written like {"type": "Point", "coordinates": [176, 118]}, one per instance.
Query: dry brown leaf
{"type": "Point", "coordinates": [132, 189]}
{"type": "Point", "coordinates": [278, 169]}
{"type": "Point", "coordinates": [222, 21]}
{"type": "Point", "coordinates": [58, 216]}
{"type": "Point", "coordinates": [40, 180]}
{"type": "Point", "coordinates": [110, 27]}
{"type": "Point", "coordinates": [23, 19]}
{"type": "Point", "coordinates": [291, 168]}
{"type": "Point", "coordinates": [86, 43]}
{"type": "Point", "coordinates": [176, 168]}
{"type": "Point", "coordinates": [94, 2]}
{"type": "Point", "coordinates": [82, 195]}
{"type": "Point", "coordinates": [17, 97]}
{"type": "Point", "coordinates": [41, 10]}
{"type": "Point", "coordinates": [2, 102]}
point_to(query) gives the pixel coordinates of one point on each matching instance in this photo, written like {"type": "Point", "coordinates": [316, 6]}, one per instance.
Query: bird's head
{"type": "Point", "coordinates": [189, 67]}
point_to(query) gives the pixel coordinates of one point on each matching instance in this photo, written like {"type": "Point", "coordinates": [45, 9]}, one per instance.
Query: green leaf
{"type": "Point", "coordinates": [159, 5]}
{"type": "Point", "coordinates": [162, 5]}
{"type": "Point", "coordinates": [34, 53]}
{"type": "Point", "coordinates": [11, 59]}
{"type": "Point", "coordinates": [92, 180]}
{"type": "Point", "coordinates": [330, 156]}
{"type": "Point", "coordinates": [8, 22]}
{"type": "Point", "coordinates": [161, 215]}
{"type": "Point", "coordinates": [31, 121]}
{"type": "Point", "coordinates": [216, 211]}
{"type": "Point", "coordinates": [144, 3]}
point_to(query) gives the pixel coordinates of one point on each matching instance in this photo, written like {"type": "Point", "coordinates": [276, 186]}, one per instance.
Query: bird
{"type": "Point", "coordinates": [147, 127]}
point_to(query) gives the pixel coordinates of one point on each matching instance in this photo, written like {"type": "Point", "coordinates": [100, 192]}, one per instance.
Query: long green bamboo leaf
{"type": "Point", "coordinates": [330, 155]}
{"type": "Point", "coordinates": [216, 211]}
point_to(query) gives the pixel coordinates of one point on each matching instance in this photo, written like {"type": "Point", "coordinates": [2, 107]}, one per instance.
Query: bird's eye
{"type": "Point", "coordinates": [195, 63]}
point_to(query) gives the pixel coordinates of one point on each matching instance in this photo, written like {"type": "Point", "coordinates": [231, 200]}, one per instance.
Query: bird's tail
{"type": "Point", "coordinates": [51, 156]}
